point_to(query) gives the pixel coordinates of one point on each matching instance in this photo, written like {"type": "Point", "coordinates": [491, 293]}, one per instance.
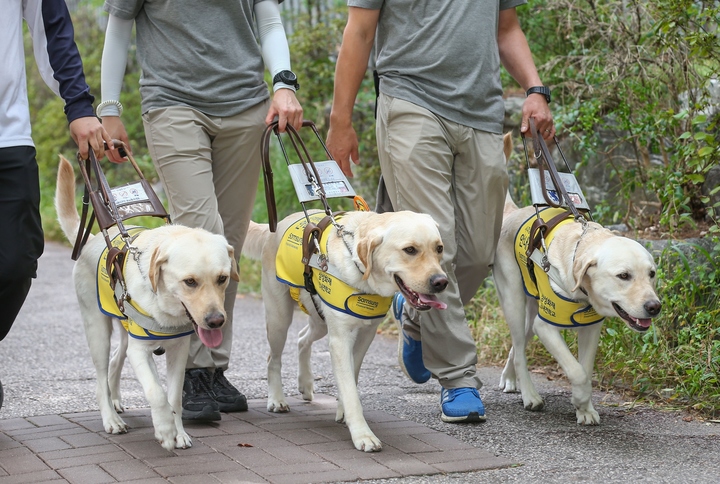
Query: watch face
{"type": "Point", "coordinates": [289, 77]}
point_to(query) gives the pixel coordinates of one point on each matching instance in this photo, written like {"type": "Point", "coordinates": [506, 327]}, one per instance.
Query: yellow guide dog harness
{"type": "Point", "coordinates": [553, 308]}
{"type": "Point", "coordinates": [142, 326]}
{"type": "Point", "coordinates": [332, 291]}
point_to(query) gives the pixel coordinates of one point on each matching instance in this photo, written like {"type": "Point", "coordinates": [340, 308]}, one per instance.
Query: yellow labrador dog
{"type": "Point", "coordinates": [594, 274]}
{"type": "Point", "coordinates": [370, 256]}
{"type": "Point", "coordinates": [178, 279]}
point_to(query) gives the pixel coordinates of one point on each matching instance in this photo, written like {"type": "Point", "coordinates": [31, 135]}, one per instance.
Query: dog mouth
{"type": "Point", "coordinates": [421, 302]}
{"type": "Point", "coordinates": [212, 338]}
{"type": "Point", "coordinates": [638, 324]}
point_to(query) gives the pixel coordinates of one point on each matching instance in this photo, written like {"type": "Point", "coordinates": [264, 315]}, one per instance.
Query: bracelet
{"type": "Point", "coordinates": [108, 103]}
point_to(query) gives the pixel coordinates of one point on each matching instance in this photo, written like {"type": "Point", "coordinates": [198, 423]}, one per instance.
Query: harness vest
{"type": "Point", "coordinates": [108, 304]}
{"type": "Point", "coordinates": [553, 308]}
{"type": "Point", "coordinates": [332, 291]}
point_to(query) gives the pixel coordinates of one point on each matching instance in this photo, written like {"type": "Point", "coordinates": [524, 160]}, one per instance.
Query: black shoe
{"type": "Point", "coordinates": [198, 402]}
{"type": "Point", "coordinates": [228, 398]}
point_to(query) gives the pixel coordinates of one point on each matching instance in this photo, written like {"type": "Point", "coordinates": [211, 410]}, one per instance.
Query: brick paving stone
{"type": "Point", "coordinates": [182, 469]}
{"type": "Point", "coordinates": [369, 469]}
{"type": "Point", "coordinates": [315, 477]}
{"type": "Point", "coordinates": [48, 444]}
{"type": "Point", "coordinates": [91, 474]}
{"type": "Point", "coordinates": [21, 460]}
{"type": "Point", "coordinates": [129, 471]}
{"type": "Point", "coordinates": [33, 478]}
{"type": "Point", "coordinates": [293, 454]}
{"type": "Point", "coordinates": [118, 455]}
{"type": "Point", "coordinates": [85, 439]}
{"type": "Point", "coordinates": [47, 420]}
{"type": "Point", "coordinates": [237, 477]}
{"type": "Point", "coordinates": [14, 424]}
{"type": "Point", "coordinates": [6, 442]}
{"type": "Point", "coordinates": [311, 468]}
{"type": "Point", "coordinates": [41, 432]}
{"type": "Point", "coordinates": [302, 437]}
{"type": "Point", "coordinates": [408, 444]}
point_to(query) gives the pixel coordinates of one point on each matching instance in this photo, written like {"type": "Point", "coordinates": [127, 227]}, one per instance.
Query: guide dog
{"type": "Point", "coordinates": [605, 274]}
{"type": "Point", "coordinates": [371, 256]}
{"type": "Point", "coordinates": [174, 275]}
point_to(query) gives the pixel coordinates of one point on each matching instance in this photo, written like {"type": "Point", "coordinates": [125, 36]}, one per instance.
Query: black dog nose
{"type": "Point", "coordinates": [653, 307]}
{"type": "Point", "coordinates": [438, 282]}
{"type": "Point", "coordinates": [215, 320]}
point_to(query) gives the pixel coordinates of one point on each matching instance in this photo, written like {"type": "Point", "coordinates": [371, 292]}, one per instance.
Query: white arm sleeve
{"type": "Point", "coordinates": [273, 41]}
{"type": "Point", "coordinates": [114, 59]}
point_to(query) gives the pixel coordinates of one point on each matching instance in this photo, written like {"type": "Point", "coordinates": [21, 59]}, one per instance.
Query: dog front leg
{"type": "Point", "coordinates": [176, 358]}
{"type": "Point", "coordinates": [588, 341]}
{"type": "Point", "coordinates": [342, 343]}
{"type": "Point", "coordinates": [278, 317]}
{"type": "Point", "coordinates": [116, 365]}
{"type": "Point", "coordinates": [141, 359]}
{"type": "Point", "coordinates": [315, 330]}
{"type": "Point", "coordinates": [579, 378]}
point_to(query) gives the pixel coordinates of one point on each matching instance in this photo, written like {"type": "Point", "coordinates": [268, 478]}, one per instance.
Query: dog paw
{"type": "Point", "coordinates": [183, 441]}
{"type": "Point", "coordinates": [534, 403]}
{"type": "Point", "coordinates": [277, 406]}
{"type": "Point", "coordinates": [306, 390]}
{"type": "Point", "coordinates": [508, 385]}
{"type": "Point", "coordinates": [367, 443]}
{"type": "Point", "coordinates": [115, 425]}
{"type": "Point", "coordinates": [118, 406]}
{"type": "Point", "coordinates": [587, 417]}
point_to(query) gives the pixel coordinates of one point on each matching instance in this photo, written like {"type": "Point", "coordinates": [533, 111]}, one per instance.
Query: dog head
{"type": "Point", "coordinates": [193, 268]}
{"type": "Point", "coordinates": [402, 251]}
{"type": "Point", "coordinates": [618, 275]}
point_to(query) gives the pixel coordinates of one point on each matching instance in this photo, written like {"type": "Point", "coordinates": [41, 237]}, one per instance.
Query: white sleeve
{"type": "Point", "coordinates": [114, 59]}
{"type": "Point", "coordinates": [273, 41]}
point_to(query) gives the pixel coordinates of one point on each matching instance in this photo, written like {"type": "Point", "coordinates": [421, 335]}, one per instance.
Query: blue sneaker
{"type": "Point", "coordinates": [461, 405]}
{"type": "Point", "coordinates": [409, 350]}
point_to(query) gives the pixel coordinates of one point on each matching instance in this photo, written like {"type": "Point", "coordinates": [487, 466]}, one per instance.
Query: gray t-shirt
{"type": "Point", "coordinates": [442, 55]}
{"type": "Point", "coordinates": [199, 54]}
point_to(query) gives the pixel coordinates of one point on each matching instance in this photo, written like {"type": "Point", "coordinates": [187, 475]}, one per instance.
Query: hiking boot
{"type": "Point", "coordinates": [228, 398]}
{"type": "Point", "coordinates": [409, 349]}
{"type": "Point", "coordinates": [461, 405]}
{"type": "Point", "coordinates": [198, 400]}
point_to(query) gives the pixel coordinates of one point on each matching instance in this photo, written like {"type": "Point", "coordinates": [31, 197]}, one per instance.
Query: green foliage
{"type": "Point", "coordinates": [643, 71]}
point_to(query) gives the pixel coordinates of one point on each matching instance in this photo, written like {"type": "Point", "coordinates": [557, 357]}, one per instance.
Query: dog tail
{"type": "Point", "coordinates": [255, 239]}
{"type": "Point", "coordinates": [507, 149]}
{"type": "Point", "coordinates": [65, 207]}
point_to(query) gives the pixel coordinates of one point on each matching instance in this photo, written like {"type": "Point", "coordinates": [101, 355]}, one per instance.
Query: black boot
{"type": "Point", "coordinates": [198, 400]}
{"type": "Point", "coordinates": [228, 398]}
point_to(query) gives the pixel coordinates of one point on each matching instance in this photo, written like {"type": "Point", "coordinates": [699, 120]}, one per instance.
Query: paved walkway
{"type": "Point", "coordinates": [303, 446]}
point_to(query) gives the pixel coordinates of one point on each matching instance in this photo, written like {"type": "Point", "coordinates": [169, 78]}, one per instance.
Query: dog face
{"type": "Point", "coordinates": [620, 280]}
{"type": "Point", "coordinates": [194, 271]}
{"type": "Point", "coordinates": [403, 252]}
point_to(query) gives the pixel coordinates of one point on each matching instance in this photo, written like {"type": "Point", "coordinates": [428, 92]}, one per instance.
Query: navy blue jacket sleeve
{"type": "Point", "coordinates": [65, 61]}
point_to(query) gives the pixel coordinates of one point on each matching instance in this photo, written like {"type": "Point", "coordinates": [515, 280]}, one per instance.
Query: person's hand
{"type": "Point", "coordinates": [342, 143]}
{"type": "Point", "coordinates": [116, 129]}
{"type": "Point", "coordinates": [535, 106]}
{"type": "Point", "coordinates": [89, 131]}
{"type": "Point", "coordinates": [286, 108]}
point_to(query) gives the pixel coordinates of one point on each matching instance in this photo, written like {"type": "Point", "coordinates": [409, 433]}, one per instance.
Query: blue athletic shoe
{"type": "Point", "coordinates": [409, 350]}
{"type": "Point", "coordinates": [461, 405]}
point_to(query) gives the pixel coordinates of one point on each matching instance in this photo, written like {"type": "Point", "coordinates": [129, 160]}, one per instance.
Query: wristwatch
{"type": "Point", "coordinates": [286, 77]}
{"type": "Point", "coordinates": [544, 90]}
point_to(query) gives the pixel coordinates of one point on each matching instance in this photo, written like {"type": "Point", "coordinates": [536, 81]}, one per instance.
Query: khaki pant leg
{"type": "Point", "coordinates": [209, 168]}
{"type": "Point", "coordinates": [426, 169]}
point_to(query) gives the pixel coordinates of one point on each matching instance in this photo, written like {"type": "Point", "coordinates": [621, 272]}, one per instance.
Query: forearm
{"type": "Point", "coordinates": [114, 59]}
{"type": "Point", "coordinates": [515, 53]}
{"type": "Point", "coordinates": [273, 41]}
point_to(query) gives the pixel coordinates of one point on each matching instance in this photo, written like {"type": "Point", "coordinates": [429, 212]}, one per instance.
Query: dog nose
{"type": "Point", "coordinates": [215, 320]}
{"type": "Point", "coordinates": [653, 307]}
{"type": "Point", "coordinates": [438, 282]}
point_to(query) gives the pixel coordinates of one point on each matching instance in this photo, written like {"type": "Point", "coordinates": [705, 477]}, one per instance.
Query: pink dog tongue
{"type": "Point", "coordinates": [643, 323]}
{"type": "Point", "coordinates": [432, 301]}
{"type": "Point", "coordinates": [210, 337]}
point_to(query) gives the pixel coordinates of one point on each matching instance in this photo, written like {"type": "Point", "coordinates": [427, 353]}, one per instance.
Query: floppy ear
{"type": "Point", "coordinates": [580, 268]}
{"type": "Point", "coordinates": [234, 275]}
{"type": "Point", "coordinates": [156, 261]}
{"type": "Point", "coordinates": [365, 247]}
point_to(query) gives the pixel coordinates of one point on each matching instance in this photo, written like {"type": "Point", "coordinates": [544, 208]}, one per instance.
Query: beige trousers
{"type": "Point", "coordinates": [209, 168]}
{"type": "Point", "coordinates": [458, 175]}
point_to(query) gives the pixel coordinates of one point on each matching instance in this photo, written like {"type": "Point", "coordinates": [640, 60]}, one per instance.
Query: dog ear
{"type": "Point", "coordinates": [365, 247]}
{"type": "Point", "coordinates": [580, 268]}
{"type": "Point", "coordinates": [234, 275]}
{"type": "Point", "coordinates": [156, 260]}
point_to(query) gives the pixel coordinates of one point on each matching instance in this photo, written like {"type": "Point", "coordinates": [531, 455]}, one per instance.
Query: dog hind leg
{"type": "Point", "coordinates": [278, 317]}
{"type": "Point", "coordinates": [316, 329]}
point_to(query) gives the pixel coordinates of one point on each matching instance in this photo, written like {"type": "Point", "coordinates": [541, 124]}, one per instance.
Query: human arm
{"type": "Point", "coordinates": [352, 62]}
{"type": "Point", "coordinates": [276, 55]}
{"type": "Point", "coordinates": [112, 71]}
{"type": "Point", "coordinates": [515, 55]}
{"type": "Point", "coordinates": [60, 66]}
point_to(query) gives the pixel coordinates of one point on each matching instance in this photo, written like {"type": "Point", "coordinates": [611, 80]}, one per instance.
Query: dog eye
{"type": "Point", "coordinates": [625, 276]}
{"type": "Point", "coordinates": [190, 282]}
{"type": "Point", "coordinates": [222, 279]}
{"type": "Point", "coordinates": [410, 250]}
{"type": "Point", "coordinates": [439, 249]}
